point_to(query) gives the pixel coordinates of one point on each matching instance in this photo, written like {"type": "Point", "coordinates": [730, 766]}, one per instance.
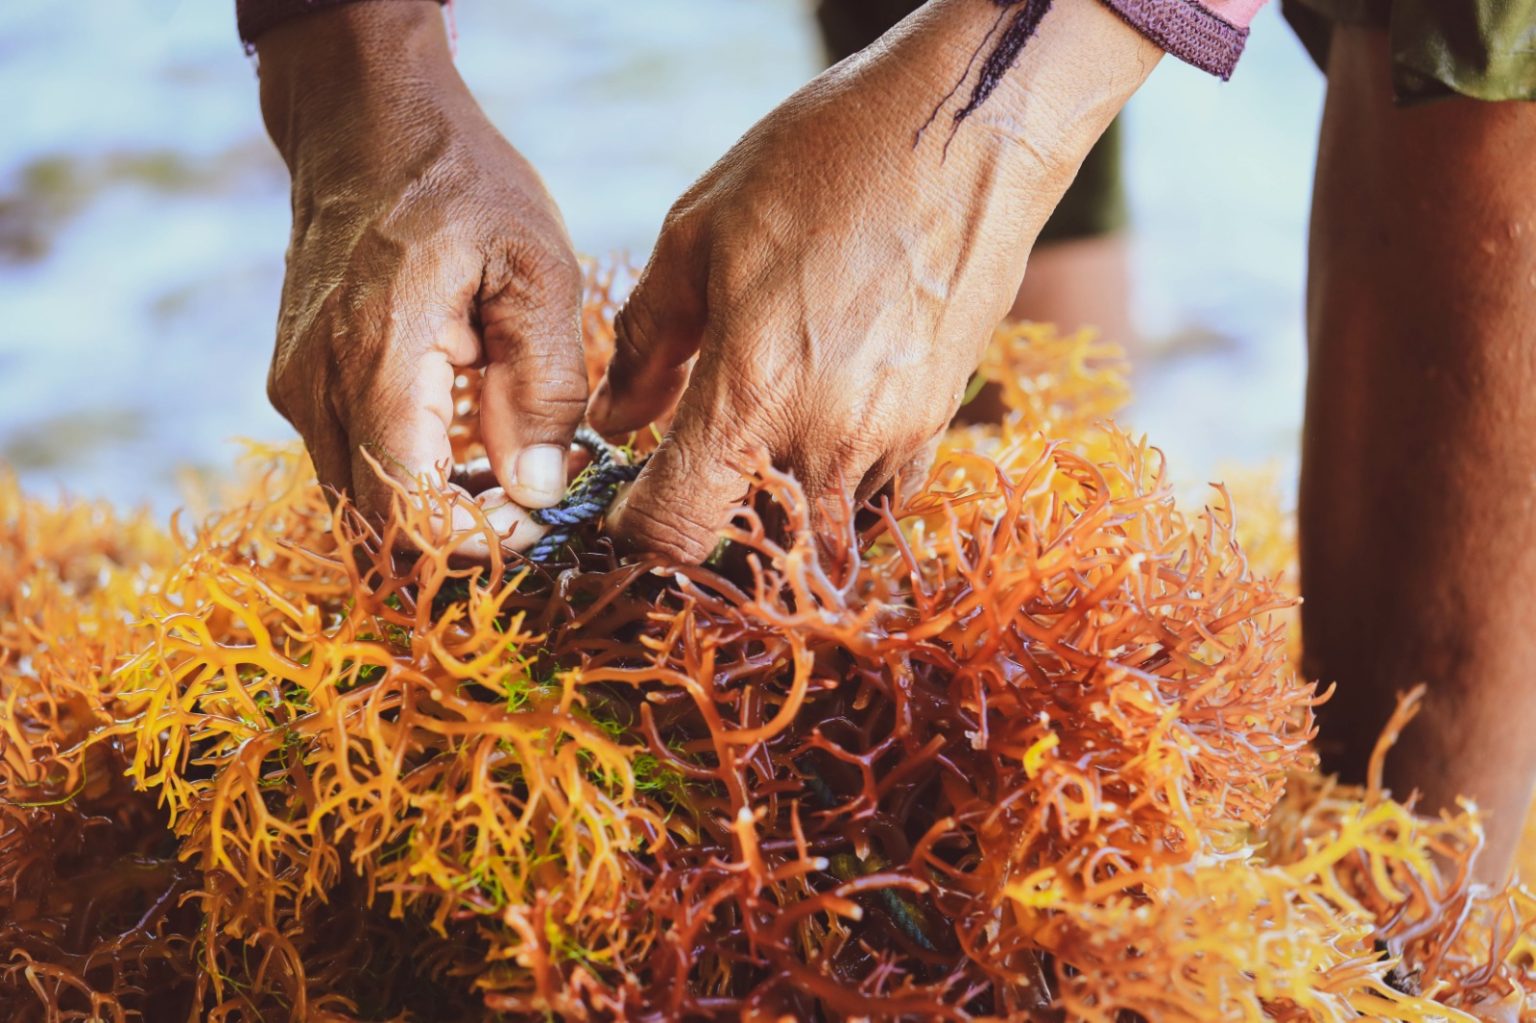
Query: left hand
{"type": "Point", "coordinates": [423, 244]}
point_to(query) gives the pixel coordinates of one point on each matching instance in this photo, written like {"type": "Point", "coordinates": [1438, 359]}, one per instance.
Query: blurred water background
{"type": "Point", "coordinates": [143, 213]}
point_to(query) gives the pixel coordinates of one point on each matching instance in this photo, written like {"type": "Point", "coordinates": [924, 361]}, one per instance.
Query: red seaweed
{"type": "Point", "coordinates": [1029, 745]}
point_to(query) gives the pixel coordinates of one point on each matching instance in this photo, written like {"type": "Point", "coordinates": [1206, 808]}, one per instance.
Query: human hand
{"type": "Point", "coordinates": [839, 272]}
{"type": "Point", "coordinates": [422, 243]}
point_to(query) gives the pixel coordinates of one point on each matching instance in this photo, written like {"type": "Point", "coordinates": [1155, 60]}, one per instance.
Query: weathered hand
{"type": "Point", "coordinates": [422, 243]}
{"type": "Point", "coordinates": [837, 274]}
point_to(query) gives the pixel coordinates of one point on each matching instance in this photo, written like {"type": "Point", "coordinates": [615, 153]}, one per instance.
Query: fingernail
{"type": "Point", "coordinates": [540, 476]}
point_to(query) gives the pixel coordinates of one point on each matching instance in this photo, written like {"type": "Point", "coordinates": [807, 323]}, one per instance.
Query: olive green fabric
{"type": "Point", "coordinates": [1485, 49]}
{"type": "Point", "coordinates": [1094, 204]}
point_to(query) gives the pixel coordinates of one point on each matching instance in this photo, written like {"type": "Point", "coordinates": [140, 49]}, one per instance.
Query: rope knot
{"type": "Point", "coordinates": [587, 499]}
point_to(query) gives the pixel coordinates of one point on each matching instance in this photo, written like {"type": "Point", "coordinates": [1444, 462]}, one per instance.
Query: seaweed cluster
{"type": "Point", "coordinates": [1027, 745]}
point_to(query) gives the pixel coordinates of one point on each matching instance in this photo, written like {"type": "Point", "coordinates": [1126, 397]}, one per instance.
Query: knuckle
{"type": "Point", "coordinates": [677, 251]}
{"type": "Point", "coordinates": [289, 385]}
{"type": "Point", "coordinates": [277, 393]}
{"type": "Point", "coordinates": [632, 329]}
{"type": "Point", "coordinates": [550, 371]}
{"type": "Point", "coordinates": [557, 404]}
{"type": "Point", "coordinates": [670, 529]}
{"type": "Point", "coordinates": [544, 274]}
{"type": "Point", "coordinates": [563, 271]}
{"type": "Point", "coordinates": [549, 362]}
{"type": "Point", "coordinates": [558, 370]}
{"type": "Point", "coordinates": [680, 226]}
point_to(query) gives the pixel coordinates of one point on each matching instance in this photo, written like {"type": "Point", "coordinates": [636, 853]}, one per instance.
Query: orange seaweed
{"type": "Point", "coordinates": [1029, 745]}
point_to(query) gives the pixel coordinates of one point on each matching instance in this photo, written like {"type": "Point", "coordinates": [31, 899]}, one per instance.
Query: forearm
{"type": "Point", "coordinates": [1041, 117]}
{"type": "Point", "coordinates": [1082, 50]}
{"type": "Point", "coordinates": [331, 79]}
{"type": "Point", "coordinates": [1079, 66]}
{"type": "Point", "coordinates": [255, 18]}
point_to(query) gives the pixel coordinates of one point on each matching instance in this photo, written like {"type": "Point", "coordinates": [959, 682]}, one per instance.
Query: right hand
{"type": "Point", "coordinates": [423, 243]}
{"type": "Point", "coordinates": [822, 294]}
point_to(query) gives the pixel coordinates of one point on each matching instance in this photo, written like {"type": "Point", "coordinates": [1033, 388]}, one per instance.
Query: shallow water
{"type": "Point", "coordinates": [143, 214]}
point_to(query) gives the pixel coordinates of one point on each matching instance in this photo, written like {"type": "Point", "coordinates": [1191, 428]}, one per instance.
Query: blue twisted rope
{"type": "Point", "coordinates": [587, 500]}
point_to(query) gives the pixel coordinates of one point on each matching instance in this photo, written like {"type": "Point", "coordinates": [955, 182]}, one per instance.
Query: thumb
{"type": "Point", "coordinates": [398, 437]}
{"type": "Point", "coordinates": [685, 495]}
{"type": "Point", "coordinates": [656, 333]}
{"type": "Point", "coordinates": [535, 387]}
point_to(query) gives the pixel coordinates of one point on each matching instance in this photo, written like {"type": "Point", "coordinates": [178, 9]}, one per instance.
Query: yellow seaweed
{"type": "Point", "coordinates": [1029, 745]}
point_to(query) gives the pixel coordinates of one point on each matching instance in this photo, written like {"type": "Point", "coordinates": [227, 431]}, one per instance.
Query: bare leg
{"type": "Point", "coordinates": [1418, 494]}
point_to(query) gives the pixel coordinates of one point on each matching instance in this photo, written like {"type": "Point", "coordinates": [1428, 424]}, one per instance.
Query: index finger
{"type": "Point", "coordinates": [687, 491]}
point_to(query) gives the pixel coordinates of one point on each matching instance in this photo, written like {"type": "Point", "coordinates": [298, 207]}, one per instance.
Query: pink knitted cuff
{"type": "Point", "coordinates": [256, 16]}
{"type": "Point", "coordinates": [1206, 33]}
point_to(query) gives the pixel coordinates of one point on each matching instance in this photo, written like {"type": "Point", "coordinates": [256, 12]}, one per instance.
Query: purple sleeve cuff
{"type": "Point", "coordinates": [1209, 34]}
{"type": "Point", "coordinates": [256, 16]}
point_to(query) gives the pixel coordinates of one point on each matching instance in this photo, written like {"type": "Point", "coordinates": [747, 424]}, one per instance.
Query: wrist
{"type": "Point", "coordinates": [348, 69]}
{"type": "Point", "coordinates": [1076, 72]}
